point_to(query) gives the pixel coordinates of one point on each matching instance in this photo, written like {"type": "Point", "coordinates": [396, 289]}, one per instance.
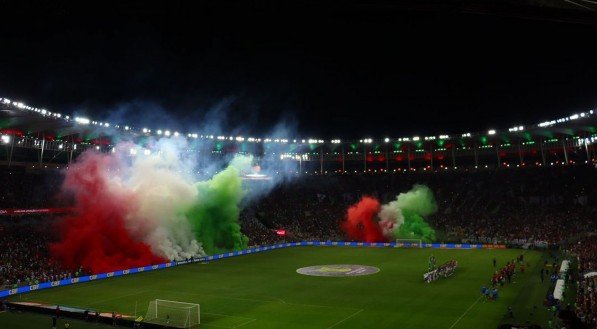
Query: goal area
{"type": "Point", "coordinates": [173, 314]}
{"type": "Point", "coordinates": [409, 243]}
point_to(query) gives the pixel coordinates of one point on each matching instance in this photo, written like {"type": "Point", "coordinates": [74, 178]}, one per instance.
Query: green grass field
{"type": "Point", "coordinates": [264, 291]}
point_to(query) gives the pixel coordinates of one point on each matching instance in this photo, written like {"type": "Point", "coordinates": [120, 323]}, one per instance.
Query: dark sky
{"type": "Point", "coordinates": [336, 72]}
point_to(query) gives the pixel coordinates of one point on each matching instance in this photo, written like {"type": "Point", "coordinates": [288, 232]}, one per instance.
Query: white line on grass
{"type": "Point", "coordinates": [463, 314]}
{"type": "Point", "coordinates": [242, 324]}
{"type": "Point", "coordinates": [256, 300]}
{"type": "Point", "coordinates": [114, 298]}
{"type": "Point", "coordinates": [215, 325]}
{"type": "Point", "coordinates": [578, 4]}
{"type": "Point", "coordinates": [346, 318]}
{"type": "Point", "coordinates": [230, 316]}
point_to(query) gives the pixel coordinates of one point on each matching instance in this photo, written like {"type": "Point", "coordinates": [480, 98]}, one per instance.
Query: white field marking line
{"type": "Point", "coordinates": [256, 300]}
{"type": "Point", "coordinates": [229, 316]}
{"type": "Point", "coordinates": [346, 318]}
{"type": "Point", "coordinates": [114, 298]}
{"type": "Point", "coordinates": [578, 4]}
{"type": "Point", "coordinates": [244, 323]}
{"type": "Point", "coordinates": [589, 1]}
{"type": "Point", "coordinates": [276, 298]}
{"type": "Point", "coordinates": [214, 325]}
{"type": "Point", "coordinates": [463, 314]}
{"type": "Point", "coordinates": [218, 296]}
{"type": "Point", "coordinates": [327, 306]}
{"type": "Point", "coordinates": [75, 286]}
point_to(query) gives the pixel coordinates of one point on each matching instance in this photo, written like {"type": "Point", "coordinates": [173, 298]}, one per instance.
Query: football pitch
{"type": "Point", "coordinates": [264, 290]}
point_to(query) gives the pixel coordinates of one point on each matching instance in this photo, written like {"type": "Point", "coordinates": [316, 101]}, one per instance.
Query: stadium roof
{"type": "Point", "coordinates": [21, 119]}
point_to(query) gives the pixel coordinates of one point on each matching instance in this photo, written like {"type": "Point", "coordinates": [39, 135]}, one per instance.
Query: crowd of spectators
{"type": "Point", "coordinates": [24, 255]}
{"type": "Point", "coordinates": [586, 298]}
{"type": "Point", "coordinates": [35, 189]}
{"type": "Point", "coordinates": [546, 205]}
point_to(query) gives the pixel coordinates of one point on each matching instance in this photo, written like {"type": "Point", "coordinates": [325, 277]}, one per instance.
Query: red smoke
{"type": "Point", "coordinates": [96, 236]}
{"type": "Point", "coordinates": [360, 223]}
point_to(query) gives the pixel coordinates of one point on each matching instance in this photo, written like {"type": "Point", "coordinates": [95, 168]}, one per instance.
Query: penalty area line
{"type": "Point", "coordinates": [244, 323]}
{"type": "Point", "coordinates": [346, 318]}
{"type": "Point", "coordinates": [463, 314]}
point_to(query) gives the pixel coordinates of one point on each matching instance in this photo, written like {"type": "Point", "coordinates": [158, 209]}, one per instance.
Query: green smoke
{"type": "Point", "coordinates": [214, 218]}
{"type": "Point", "coordinates": [419, 200]}
{"type": "Point", "coordinates": [409, 211]}
{"type": "Point", "coordinates": [414, 227]}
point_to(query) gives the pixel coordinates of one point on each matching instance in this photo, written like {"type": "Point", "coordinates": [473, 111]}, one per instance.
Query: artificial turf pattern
{"type": "Point", "coordinates": [264, 291]}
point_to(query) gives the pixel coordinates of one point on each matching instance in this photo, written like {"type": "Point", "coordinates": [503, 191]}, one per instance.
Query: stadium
{"type": "Point", "coordinates": [142, 216]}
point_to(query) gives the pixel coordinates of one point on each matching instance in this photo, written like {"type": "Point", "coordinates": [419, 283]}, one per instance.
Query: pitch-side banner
{"type": "Point", "coordinates": [11, 212]}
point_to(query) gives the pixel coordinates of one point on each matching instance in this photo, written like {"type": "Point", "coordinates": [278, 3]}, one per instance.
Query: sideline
{"type": "Point", "coordinates": [463, 314]}
{"type": "Point", "coordinates": [346, 318]}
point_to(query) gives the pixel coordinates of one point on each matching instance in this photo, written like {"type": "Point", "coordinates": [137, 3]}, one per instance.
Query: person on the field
{"type": "Point", "coordinates": [431, 263]}
{"type": "Point", "coordinates": [54, 322]}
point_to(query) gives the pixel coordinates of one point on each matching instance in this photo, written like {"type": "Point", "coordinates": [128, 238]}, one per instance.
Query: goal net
{"type": "Point", "coordinates": [173, 314]}
{"type": "Point", "coordinates": [409, 243]}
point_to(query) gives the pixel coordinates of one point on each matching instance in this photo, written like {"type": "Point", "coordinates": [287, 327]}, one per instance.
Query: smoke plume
{"type": "Point", "coordinates": [402, 218]}
{"type": "Point", "coordinates": [142, 205]}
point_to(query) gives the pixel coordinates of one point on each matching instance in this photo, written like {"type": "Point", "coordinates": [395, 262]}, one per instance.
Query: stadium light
{"type": "Point", "coordinates": [167, 132]}
{"type": "Point", "coordinates": [416, 138]}
{"type": "Point", "coordinates": [133, 152]}
{"type": "Point", "coordinates": [387, 140]}
{"type": "Point", "coordinates": [491, 132]}
{"type": "Point", "coordinates": [5, 139]}
{"type": "Point", "coordinates": [83, 121]}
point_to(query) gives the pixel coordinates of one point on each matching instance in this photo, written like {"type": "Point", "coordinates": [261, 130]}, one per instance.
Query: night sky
{"type": "Point", "coordinates": [332, 72]}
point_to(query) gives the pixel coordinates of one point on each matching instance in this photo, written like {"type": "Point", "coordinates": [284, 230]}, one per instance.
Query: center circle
{"type": "Point", "coordinates": [338, 270]}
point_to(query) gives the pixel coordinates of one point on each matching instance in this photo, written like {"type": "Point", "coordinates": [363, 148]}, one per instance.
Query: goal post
{"type": "Point", "coordinates": [173, 313]}
{"type": "Point", "coordinates": [409, 243]}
